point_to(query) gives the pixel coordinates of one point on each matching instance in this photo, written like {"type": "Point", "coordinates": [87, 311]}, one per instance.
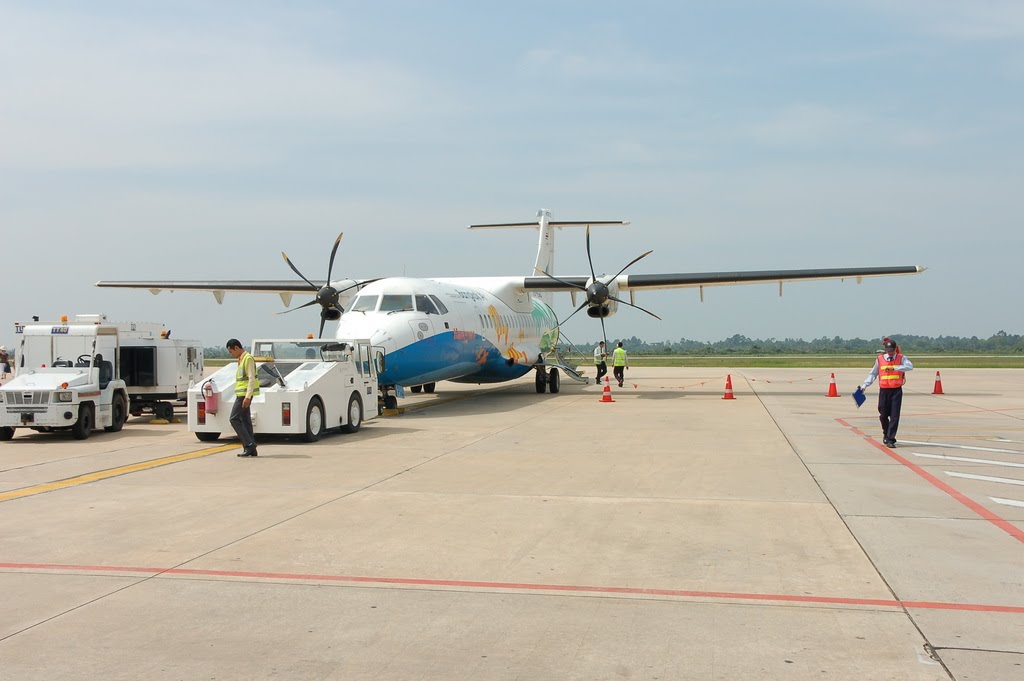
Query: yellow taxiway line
{"type": "Point", "coordinates": [111, 472]}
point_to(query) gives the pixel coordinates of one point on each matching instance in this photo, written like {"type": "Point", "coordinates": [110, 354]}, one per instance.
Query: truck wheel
{"type": "Point", "coordinates": [355, 414]}
{"type": "Point", "coordinates": [6, 433]}
{"type": "Point", "coordinates": [416, 388]}
{"type": "Point", "coordinates": [207, 437]}
{"type": "Point", "coordinates": [164, 410]}
{"type": "Point", "coordinates": [118, 414]}
{"type": "Point", "coordinates": [429, 388]}
{"type": "Point", "coordinates": [83, 426]}
{"type": "Point", "coordinates": [314, 420]}
{"type": "Point", "coordinates": [554, 381]}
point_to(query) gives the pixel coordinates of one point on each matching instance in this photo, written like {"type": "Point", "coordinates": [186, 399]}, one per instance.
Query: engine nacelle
{"type": "Point", "coordinates": [601, 298]}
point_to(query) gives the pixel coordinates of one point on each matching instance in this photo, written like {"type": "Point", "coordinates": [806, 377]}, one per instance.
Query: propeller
{"type": "Point", "coordinates": [326, 296]}
{"type": "Point", "coordinates": [597, 292]}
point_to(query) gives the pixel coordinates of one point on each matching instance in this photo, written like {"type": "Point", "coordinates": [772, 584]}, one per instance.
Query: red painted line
{"type": "Point", "coordinates": [998, 521]}
{"type": "Point", "coordinates": [525, 586]}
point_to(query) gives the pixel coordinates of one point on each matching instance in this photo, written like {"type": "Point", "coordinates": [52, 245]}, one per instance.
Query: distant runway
{"type": "Point", "coordinates": [494, 533]}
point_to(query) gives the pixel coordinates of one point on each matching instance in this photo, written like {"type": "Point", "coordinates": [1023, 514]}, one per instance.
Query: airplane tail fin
{"type": "Point", "coordinates": [546, 243]}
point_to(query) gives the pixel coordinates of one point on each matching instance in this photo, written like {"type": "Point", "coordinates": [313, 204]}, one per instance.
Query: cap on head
{"type": "Point", "coordinates": [889, 344]}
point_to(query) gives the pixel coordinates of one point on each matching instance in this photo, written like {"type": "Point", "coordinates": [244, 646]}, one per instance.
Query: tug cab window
{"type": "Point", "coordinates": [396, 303]}
{"type": "Point", "coordinates": [424, 304]}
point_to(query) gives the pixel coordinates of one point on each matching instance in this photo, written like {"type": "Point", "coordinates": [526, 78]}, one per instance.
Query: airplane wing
{"type": "Point", "coordinates": [286, 288]}
{"type": "Point", "coordinates": [633, 282]}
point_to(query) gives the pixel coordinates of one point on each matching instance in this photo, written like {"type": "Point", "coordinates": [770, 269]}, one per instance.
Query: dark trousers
{"type": "Point", "coordinates": [602, 369]}
{"type": "Point", "coordinates": [241, 421]}
{"type": "Point", "coordinates": [619, 373]}
{"type": "Point", "coordinates": [890, 400]}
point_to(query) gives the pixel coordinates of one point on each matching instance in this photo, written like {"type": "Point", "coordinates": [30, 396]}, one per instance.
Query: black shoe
{"type": "Point", "coordinates": [251, 452]}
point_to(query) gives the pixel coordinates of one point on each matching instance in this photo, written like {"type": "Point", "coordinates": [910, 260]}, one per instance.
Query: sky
{"type": "Point", "coordinates": [197, 140]}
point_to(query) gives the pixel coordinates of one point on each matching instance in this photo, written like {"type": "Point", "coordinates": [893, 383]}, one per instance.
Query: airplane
{"type": "Point", "coordinates": [482, 329]}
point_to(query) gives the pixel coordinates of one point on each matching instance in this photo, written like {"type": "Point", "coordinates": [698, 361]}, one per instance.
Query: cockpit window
{"type": "Point", "coordinates": [365, 304]}
{"type": "Point", "coordinates": [424, 304]}
{"type": "Point", "coordinates": [440, 306]}
{"type": "Point", "coordinates": [396, 303]}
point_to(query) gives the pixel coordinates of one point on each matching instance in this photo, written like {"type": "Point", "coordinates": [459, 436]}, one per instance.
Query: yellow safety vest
{"type": "Point", "coordinates": [619, 357]}
{"type": "Point", "coordinates": [242, 376]}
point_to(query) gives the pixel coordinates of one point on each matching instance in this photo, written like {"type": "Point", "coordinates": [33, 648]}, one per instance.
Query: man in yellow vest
{"type": "Point", "coordinates": [890, 370]}
{"type": "Point", "coordinates": [247, 386]}
{"type": "Point", "coordinates": [619, 363]}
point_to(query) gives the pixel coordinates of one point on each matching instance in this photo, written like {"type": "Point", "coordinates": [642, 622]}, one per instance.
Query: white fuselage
{"type": "Point", "coordinates": [479, 330]}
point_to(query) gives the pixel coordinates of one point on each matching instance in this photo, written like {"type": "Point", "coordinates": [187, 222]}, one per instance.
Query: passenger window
{"type": "Point", "coordinates": [424, 304]}
{"type": "Point", "coordinates": [365, 304]}
{"type": "Point", "coordinates": [395, 303]}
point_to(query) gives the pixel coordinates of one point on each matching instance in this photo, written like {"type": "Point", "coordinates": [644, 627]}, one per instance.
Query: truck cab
{"type": "Point", "coordinates": [67, 378]}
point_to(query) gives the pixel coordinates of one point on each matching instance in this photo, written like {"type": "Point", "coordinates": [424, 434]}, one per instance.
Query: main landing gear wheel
{"type": "Point", "coordinates": [390, 402]}
{"type": "Point", "coordinates": [314, 420]}
{"type": "Point", "coordinates": [554, 381]}
{"type": "Point", "coordinates": [118, 414]}
{"type": "Point", "coordinates": [355, 414]}
{"type": "Point", "coordinates": [416, 388]}
{"type": "Point", "coordinates": [540, 380]}
{"type": "Point", "coordinates": [83, 426]}
{"type": "Point", "coordinates": [429, 387]}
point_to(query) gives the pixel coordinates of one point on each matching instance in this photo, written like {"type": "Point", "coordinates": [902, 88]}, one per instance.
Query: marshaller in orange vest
{"type": "Point", "coordinates": [890, 369]}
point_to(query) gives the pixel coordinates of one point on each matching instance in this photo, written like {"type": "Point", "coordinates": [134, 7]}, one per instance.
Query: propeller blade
{"type": "Point", "coordinates": [570, 315]}
{"type": "Point", "coordinates": [560, 281]}
{"type": "Point", "coordinates": [293, 309]}
{"type": "Point", "coordinates": [323, 320]}
{"type": "Point", "coordinates": [589, 260]}
{"type": "Point", "coordinates": [359, 283]}
{"type": "Point", "coordinates": [633, 261]}
{"type": "Point", "coordinates": [604, 334]}
{"type": "Point", "coordinates": [619, 300]}
{"type": "Point", "coordinates": [334, 251]}
{"type": "Point", "coordinates": [296, 271]}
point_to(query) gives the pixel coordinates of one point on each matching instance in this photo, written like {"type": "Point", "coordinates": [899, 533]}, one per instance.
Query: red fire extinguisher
{"type": "Point", "coordinates": [209, 397]}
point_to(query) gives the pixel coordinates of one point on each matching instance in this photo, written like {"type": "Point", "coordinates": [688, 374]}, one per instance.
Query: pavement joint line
{"type": "Point", "coordinates": [111, 473]}
{"type": "Point", "coordinates": [1000, 522]}
{"type": "Point", "coordinates": [526, 586]}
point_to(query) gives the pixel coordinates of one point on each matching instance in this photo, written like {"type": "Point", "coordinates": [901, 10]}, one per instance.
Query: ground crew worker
{"type": "Point", "coordinates": [890, 370]}
{"type": "Point", "coordinates": [247, 386]}
{"type": "Point", "coordinates": [619, 363]}
{"type": "Point", "coordinates": [600, 361]}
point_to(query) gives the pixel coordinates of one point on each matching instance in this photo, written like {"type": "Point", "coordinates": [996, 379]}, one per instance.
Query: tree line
{"type": "Point", "coordinates": [1000, 343]}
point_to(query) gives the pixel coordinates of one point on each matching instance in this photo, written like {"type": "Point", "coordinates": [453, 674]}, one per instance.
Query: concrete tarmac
{"type": "Point", "coordinates": [494, 533]}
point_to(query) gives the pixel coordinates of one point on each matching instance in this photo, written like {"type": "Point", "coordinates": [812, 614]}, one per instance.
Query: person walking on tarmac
{"type": "Point", "coordinates": [600, 361]}
{"type": "Point", "coordinates": [890, 369]}
{"type": "Point", "coordinates": [619, 363]}
{"type": "Point", "coordinates": [247, 386]}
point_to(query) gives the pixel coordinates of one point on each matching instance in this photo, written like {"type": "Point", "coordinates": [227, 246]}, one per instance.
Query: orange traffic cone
{"type": "Point", "coordinates": [728, 388]}
{"type": "Point", "coordinates": [606, 394]}
{"type": "Point", "coordinates": [832, 391]}
{"type": "Point", "coordinates": [938, 385]}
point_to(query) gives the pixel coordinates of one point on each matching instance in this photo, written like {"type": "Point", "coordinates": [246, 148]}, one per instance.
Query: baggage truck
{"type": "Point", "coordinates": [92, 373]}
